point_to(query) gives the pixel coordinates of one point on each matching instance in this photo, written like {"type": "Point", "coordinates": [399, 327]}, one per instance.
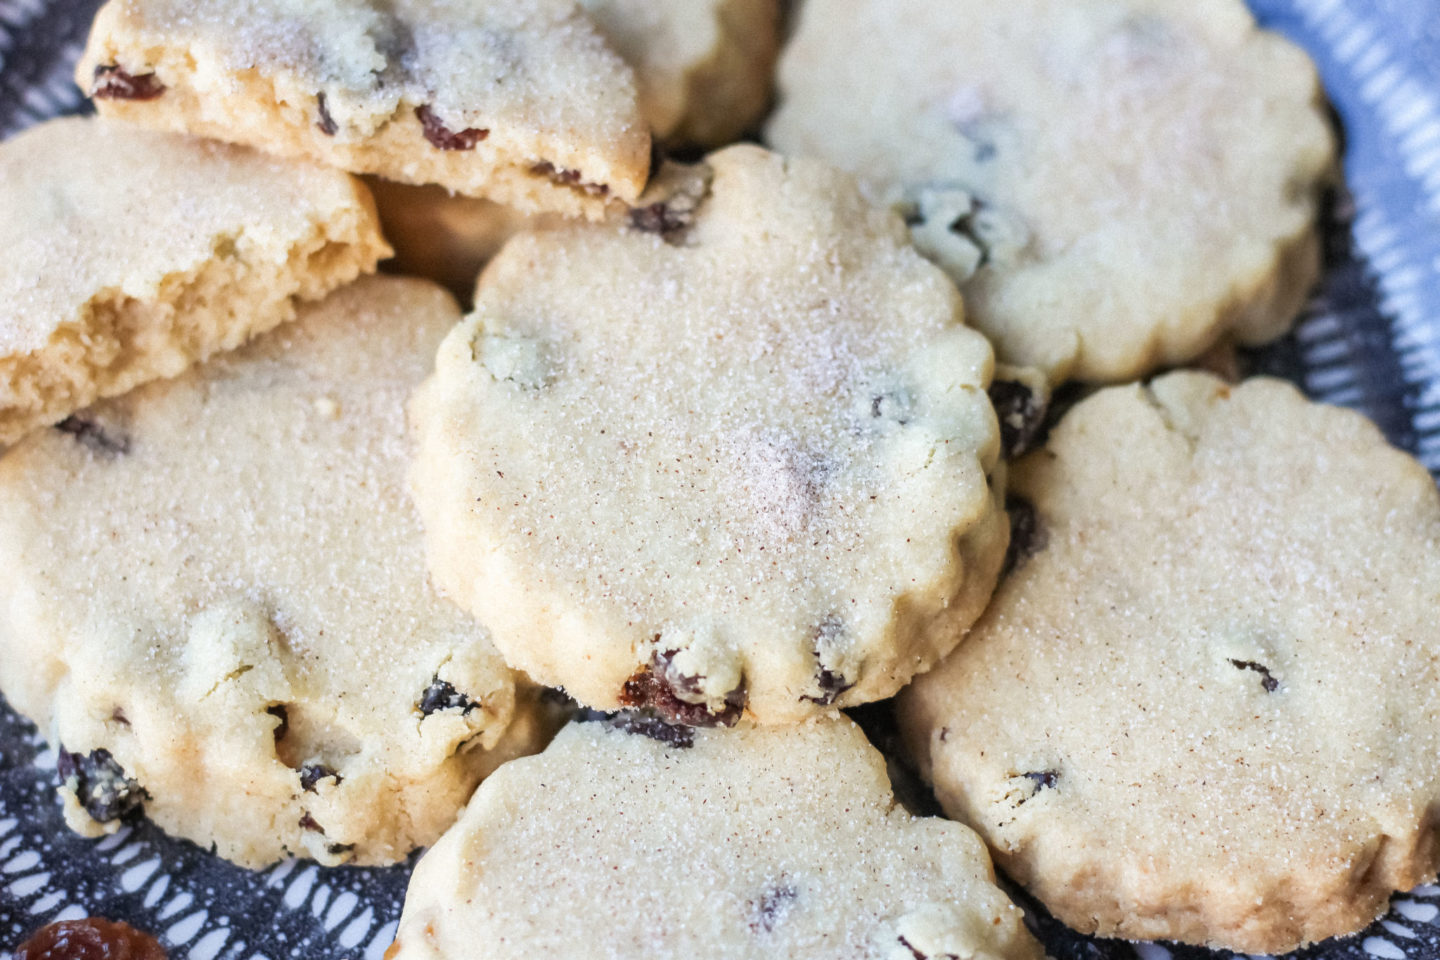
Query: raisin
{"type": "Point", "coordinates": [308, 822]}
{"type": "Point", "coordinates": [441, 695]}
{"type": "Point", "coordinates": [644, 724]}
{"type": "Point", "coordinates": [658, 218]}
{"type": "Point", "coordinates": [1043, 779]}
{"type": "Point", "coordinates": [891, 406]}
{"type": "Point", "coordinates": [312, 773]}
{"type": "Point", "coordinates": [1267, 681]}
{"type": "Point", "coordinates": [100, 785]}
{"type": "Point", "coordinates": [1027, 535]}
{"type": "Point", "coordinates": [113, 83]}
{"type": "Point", "coordinates": [832, 684]}
{"type": "Point", "coordinates": [1021, 414]}
{"type": "Point", "coordinates": [568, 178]}
{"type": "Point", "coordinates": [93, 437]}
{"type": "Point", "coordinates": [771, 908]}
{"type": "Point", "coordinates": [335, 849]}
{"type": "Point", "coordinates": [913, 951]}
{"type": "Point", "coordinates": [442, 137]}
{"type": "Point", "coordinates": [326, 124]}
{"type": "Point", "coordinates": [655, 687]}
{"type": "Point", "coordinates": [93, 938]}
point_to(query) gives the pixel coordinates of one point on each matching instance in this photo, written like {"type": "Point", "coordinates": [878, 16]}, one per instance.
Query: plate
{"type": "Point", "coordinates": [1370, 339]}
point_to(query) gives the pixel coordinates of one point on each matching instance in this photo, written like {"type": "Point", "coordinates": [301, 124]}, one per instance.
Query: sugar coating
{"type": "Point", "coordinates": [755, 842]}
{"type": "Point", "coordinates": [131, 255]}
{"type": "Point", "coordinates": [704, 67]}
{"type": "Point", "coordinates": [221, 580]}
{"type": "Point", "coordinates": [1136, 177]}
{"type": "Point", "coordinates": [1205, 706]}
{"type": "Point", "coordinates": [759, 444]}
{"type": "Point", "coordinates": [553, 112]}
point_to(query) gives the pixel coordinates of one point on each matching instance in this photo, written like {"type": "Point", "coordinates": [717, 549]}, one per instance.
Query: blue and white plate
{"type": "Point", "coordinates": [1370, 340]}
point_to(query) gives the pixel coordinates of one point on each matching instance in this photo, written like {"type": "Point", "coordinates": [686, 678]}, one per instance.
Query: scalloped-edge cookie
{"type": "Point", "coordinates": [131, 255]}
{"type": "Point", "coordinates": [1205, 703]}
{"type": "Point", "coordinates": [731, 455]}
{"type": "Point", "coordinates": [745, 843]}
{"type": "Point", "coordinates": [215, 603]}
{"type": "Point", "coordinates": [1117, 184]}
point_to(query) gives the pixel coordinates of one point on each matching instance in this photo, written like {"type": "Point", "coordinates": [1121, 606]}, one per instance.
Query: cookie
{"type": "Point", "coordinates": [754, 842]}
{"type": "Point", "coordinates": [733, 452]}
{"type": "Point", "coordinates": [443, 237]}
{"type": "Point", "coordinates": [1117, 184]}
{"type": "Point", "coordinates": [132, 255]}
{"type": "Point", "coordinates": [704, 67]}
{"type": "Point", "coordinates": [215, 602]}
{"type": "Point", "coordinates": [521, 102]}
{"type": "Point", "coordinates": [1204, 705]}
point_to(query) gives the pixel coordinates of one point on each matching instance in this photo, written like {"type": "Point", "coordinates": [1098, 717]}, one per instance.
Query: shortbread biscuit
{"type": "Point", "coordinates": [519, 101]}
{"type": "Point", "coordinates": [1205, 704]}
{"type": "Point", "coordinates": [215, 602]}
{"type": "Point", "coordinates": [1117, 184]}
{"type": "Point", "coordinates": [131, 255]}
{"type": "Point", "coordinates": [733, 452]}
{"type": "Point", "coordinates": [747, 843]}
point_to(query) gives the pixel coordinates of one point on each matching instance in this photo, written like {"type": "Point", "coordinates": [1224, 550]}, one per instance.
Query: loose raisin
{"type": "Point", "coordinates": [93, 938]}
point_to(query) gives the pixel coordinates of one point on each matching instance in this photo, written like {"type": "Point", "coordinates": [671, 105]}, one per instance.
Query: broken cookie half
{"type": "Point", "coordinates": [133, 254]}
{"type": "Point", "coordinates": [520, 102]}
{"type": "Point", "coordinates": [747, 843]}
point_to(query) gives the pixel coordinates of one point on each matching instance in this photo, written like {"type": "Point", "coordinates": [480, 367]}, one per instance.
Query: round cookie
{"type": "Point", "coordinates": [520, 101]}
{"type": "Point", "coordinates": [131, 255]}
{"type": "Point", "coordinates": [1117, 184]}
{"type": "Point", "coordinates": [215, 602]}
{"type": "Point", "coordinates": [733, 453]}
{"type": "Point", "coordinates": [1205, 704]}
{"type": "Point", "coordinates": [746, 843]}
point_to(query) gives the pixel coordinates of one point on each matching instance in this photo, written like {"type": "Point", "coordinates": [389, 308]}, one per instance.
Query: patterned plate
{"type": "Point", "coordinates": [1370, 340]}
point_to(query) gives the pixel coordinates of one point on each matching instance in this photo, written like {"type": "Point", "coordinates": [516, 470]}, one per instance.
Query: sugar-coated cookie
{"type": "Point", "coordinates": [1204, 705]}
{"type": "Point", "coordinates": [746, 843]}
{"type": "Point", "coordinates": [732, 454]}
{"type": "Point", "coordinates": [520, 101]}
{"type": "Point", "coordinates": [1117, 184]}
{"type": "Point", "coordinates": [215, 601]}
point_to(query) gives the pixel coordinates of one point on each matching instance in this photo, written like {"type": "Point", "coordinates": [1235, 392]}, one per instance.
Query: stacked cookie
{"type": "Point", "coordinates": [715, 453]}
